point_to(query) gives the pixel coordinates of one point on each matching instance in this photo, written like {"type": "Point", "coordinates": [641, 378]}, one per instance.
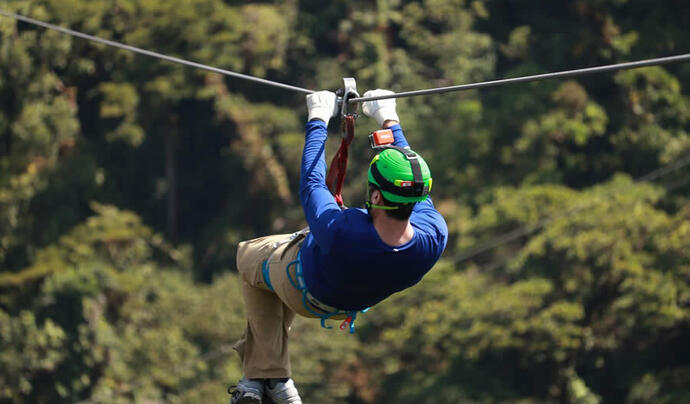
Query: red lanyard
{"type": "Point", "coordinates": [336, 172]}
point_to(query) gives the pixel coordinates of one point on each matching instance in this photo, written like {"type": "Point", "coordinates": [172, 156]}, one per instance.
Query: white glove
{"type": "Point", "coordinates": [381, 110]}
{"type": "Point", "coordinates": [321, 105]}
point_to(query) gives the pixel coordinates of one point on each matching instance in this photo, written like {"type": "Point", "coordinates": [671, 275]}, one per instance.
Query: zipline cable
{"type": "Point", "coordinates": [537, 77]}
{"type": "Point", "coordinates": [437, 90]}
{"type": "Point", "coordinates": [527, 229]}
{"type": "Point", "coordinates": [154, 54]}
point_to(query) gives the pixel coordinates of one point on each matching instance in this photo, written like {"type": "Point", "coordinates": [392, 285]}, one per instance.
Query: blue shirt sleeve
{"type": "Point", "coordinates": [399, 136]}
{"type": "Point", "coordinates": [320, 208]}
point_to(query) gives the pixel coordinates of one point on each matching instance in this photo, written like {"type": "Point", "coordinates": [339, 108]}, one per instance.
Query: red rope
{"type": "Point", "coordinates": [336, 172]}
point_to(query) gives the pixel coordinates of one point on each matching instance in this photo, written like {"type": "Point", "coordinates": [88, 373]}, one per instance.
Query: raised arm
{"type": "Point", "coordinates": [383, 111]}
{"type": "Point", "coordinates": [319, 206]}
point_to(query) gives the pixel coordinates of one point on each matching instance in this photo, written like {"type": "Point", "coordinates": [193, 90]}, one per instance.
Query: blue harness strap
{"type": "Point", "coordinates": [267, 278]}
{"type": "Point", "coordinates": [265, 270]}
{"type": "Point", "coordinates": [299, 284]}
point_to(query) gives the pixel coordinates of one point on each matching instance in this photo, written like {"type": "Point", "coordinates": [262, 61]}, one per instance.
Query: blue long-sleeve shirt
{"type": "Point", "coordinates": [344, 261]}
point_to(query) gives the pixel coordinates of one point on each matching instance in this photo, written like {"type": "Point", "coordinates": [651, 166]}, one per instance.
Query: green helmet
{"type": "Point", "coordinates": [401, 174]}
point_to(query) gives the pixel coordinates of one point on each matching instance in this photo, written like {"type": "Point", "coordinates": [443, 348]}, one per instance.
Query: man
{"type": "Point", "coordinates": [346, 261]}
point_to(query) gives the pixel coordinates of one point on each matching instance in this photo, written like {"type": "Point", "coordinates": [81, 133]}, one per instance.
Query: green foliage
{"type": "Point", "coordinates": [556, 136]}
{"type": "Point", "coordinates": [116, 325]}
{"type": "Point", "coordinates": [27, 348]}
{"type": "Point", "coordinates": [120, 101]}
{"type": "Point", "coordinates": [126, 183]}
{"type": "Point", "coordinates": [658, 120]}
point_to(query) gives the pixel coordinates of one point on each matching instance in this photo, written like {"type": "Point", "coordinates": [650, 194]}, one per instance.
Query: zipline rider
{"type": "Point", "coordinates": [346, 261]}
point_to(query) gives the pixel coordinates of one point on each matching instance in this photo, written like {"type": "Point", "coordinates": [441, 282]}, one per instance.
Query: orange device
{"type": "Point", "coordinates": [381, 138]}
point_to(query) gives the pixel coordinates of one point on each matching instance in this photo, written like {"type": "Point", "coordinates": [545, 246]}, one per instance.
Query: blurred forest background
{"type": "Point", "coordinates": [126, 183]}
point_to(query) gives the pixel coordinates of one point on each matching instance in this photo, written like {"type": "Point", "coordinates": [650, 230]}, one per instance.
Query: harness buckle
{"type": "Point", "coordinates": [346, 322]}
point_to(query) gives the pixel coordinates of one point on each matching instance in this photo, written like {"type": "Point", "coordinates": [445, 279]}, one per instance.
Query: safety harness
{"type": "Point", "coordinates": [309, 301]}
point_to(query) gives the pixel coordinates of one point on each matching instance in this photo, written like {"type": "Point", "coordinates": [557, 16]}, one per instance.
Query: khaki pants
{"type": "Point", "coordinates": [263, 348]}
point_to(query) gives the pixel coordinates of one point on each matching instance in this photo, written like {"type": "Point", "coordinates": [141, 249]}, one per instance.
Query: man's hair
{"type": "Point", "coordinates": [403, 211]}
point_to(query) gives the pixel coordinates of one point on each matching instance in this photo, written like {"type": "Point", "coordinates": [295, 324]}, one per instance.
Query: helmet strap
{"type": "Point", "coordinates": [369, 205]}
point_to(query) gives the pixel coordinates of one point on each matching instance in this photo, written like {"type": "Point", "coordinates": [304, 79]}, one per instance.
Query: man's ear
{"type": "Point", "coordinates": [376, 197]}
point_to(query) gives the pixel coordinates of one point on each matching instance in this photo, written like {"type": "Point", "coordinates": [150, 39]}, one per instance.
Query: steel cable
{"type": "Point", "coordinates": [536, 77]}
{"type": "Point", "coordinates": [154, 54]}
{"type": "Point", "coordinates": [437, 90]}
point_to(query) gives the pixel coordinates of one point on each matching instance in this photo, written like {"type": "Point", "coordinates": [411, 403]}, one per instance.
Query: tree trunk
{"type": "Point", "coordinates": [171, 185]}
